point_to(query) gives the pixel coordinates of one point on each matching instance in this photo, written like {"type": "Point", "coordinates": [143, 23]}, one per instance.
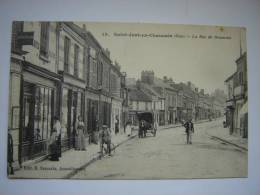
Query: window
{"type": "Point", "coordinates": [76, 60]}
{"type": "Point", "coordinates": [66, 54]}
{"type": "Point", "coordinates": [240, 77]}
{"type": "Point", "coordinates": [44, 41]}
{"type": "Point", "coordinates": [17, 28]}
{"type": "Point", "coordinates": [146, 106]}
{"type": "Point", "coordinates": [100, 73]}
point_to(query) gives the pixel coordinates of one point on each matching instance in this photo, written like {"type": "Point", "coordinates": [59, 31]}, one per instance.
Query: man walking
{"type": "Point", "coordinates": [189, 130]}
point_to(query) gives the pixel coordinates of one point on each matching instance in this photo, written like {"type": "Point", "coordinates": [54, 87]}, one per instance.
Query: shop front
{"type": "Point", "coordinates": [72, 107]}
{"type": "Point", "coordinates": [172, 115]}
{"type": "Point", "coordinates": [39, 94]}
{"type": "Point", "coordinates": [105, 111]}
{"type": "Point", "coordinates": [161, 118]}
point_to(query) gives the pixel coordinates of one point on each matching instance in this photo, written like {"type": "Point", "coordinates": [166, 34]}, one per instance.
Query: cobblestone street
{"type": "Point", "coordinates": [168, 156]}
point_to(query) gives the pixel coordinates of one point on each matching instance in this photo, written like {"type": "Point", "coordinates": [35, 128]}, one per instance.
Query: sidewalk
{"type": "Point", "coordinates": [70, 162]}
{"type": "Point", "coordinates": [222, 133]}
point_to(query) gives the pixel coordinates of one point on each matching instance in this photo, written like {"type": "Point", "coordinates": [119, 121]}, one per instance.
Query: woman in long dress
{"type": "Point", "coordinates": [128, 129]}
{"type": "Point", "coordinates": [54, 142]}
{"type": "Point", "coordinates": [80, 139]}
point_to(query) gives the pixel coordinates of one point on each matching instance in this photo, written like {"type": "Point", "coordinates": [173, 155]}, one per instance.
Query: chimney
{"type": "Point", "coordinates": [189, 84]}
{"type": "Point", "coordinates": [84, 27]}
{"type": "Point", "coordinates": [107, 52]}
{"type": "Point", "coordinates": [138, 84]}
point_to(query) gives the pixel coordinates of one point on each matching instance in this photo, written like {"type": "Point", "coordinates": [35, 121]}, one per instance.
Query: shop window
{"type": "Point", "coordinates": [44, 40]}
{"type": "Point", "coordinates": [42, 113]}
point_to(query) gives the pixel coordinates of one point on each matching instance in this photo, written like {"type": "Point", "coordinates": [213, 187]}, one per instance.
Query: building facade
{"type": "Point", "coordinates": [236, 104]}
{"type": "Point", "coordinates": [59, 69]}
{"type": "Point", "coordinates": [34, 87]}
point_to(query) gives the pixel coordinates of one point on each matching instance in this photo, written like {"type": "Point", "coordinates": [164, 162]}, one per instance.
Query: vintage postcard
{"type": "Point", "coordinates": [101, 100]}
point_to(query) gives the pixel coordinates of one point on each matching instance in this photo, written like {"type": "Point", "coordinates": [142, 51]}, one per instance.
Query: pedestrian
{"type": "Point", "coordinates": [55, 140]}
{"type": "Point", "coordinates": [105, 138]}
{"type": "Point", "coordinates": [155, 125]}
{"type": "Point", "coordinates": [38, 135]}
{"type": "Point", "coordinates": [128, 129]}
{"type": "Point", "coordinates": [80, 136]}
{"type": "Point", "coordinates": [141, 129]}
{"type": "Point", "coordinates": [189, 129]}
{"type": "Point", "coordinates": [10, 169]}
{"type": "Point", "coordinates": [117, 125]}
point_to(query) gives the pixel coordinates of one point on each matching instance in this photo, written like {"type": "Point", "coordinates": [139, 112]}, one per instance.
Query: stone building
{"type": "Point", "coordinates": [58, 69]}
{"type": "Point", "coordinates": [236, 104]}
{"type": "Point", "coordinates": [116, 100]}
{"type": "Point", "coordinates": [34, 88]}
{"type": "Point", "coordinates": [138, 101]}
{"type": "Point", "coordinates": [156, 89]}
{"type": "Point", "coordinates": [72, 68]}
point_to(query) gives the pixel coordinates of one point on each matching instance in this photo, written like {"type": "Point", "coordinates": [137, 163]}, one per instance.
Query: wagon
{"type": "Point", "coordinates": [146, 124]}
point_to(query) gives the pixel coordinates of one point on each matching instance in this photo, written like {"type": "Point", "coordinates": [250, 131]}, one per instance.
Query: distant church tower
{"type": "Point", "coordinates": [147, 77]}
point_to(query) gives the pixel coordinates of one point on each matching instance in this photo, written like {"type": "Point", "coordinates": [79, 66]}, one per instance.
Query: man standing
{"type": "Point", "coordinates": [105, 138]}
{"type": "Point", "coordinates": [189, 130]}
{"type": "Point", "coordinates": [117, 125]}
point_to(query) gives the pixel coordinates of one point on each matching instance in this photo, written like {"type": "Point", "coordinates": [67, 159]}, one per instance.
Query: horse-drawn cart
{"type": "Point", "coordinates": [146, 124]}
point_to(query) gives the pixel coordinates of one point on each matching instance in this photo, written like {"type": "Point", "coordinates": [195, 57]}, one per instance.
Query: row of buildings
{"type": "Point", "coordinates": [60, 69]}
{"type": "Point", "coordinates": [237, 99]}
{"type": "Point", "coordinates": [172, 102]}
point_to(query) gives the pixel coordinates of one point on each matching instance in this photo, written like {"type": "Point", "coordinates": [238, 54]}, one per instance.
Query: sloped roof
{"type": "Point", "coordinates": [150, 89]}
{"type": "Point", "coordinates": [138, 95]}
{"type": "Point", "coordinates": [160, 83]}
{"type": "Point", "coordinates": [76, 29]}
{"type": "Point", "coordinates": [230, 77]}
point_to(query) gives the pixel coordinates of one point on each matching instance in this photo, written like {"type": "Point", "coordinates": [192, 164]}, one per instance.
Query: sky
{"type": "Point", "coordinates": [205, 61]}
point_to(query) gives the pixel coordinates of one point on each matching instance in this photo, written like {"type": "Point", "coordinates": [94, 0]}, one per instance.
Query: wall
{"type": "Point", "coordinates": [34, 51]}
{"type": "Point", "coordinates": [74, 39]}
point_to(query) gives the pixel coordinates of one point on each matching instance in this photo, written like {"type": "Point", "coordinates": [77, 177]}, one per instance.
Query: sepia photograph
{"type": "Point", "coordinates": [117, 101]}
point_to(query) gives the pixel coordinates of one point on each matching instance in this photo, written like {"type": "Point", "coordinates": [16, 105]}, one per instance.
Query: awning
{"type": "Point", "coordinates": [244, 109]}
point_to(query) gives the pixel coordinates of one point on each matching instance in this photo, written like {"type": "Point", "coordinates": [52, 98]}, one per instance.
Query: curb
{"type": "Point", "coordinates": [95, 158]}
{"type": "Point", "coordinates": [231, 143]}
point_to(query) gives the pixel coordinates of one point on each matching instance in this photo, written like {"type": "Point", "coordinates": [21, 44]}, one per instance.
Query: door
{"type": "Point", "coordinates": [72, 114]}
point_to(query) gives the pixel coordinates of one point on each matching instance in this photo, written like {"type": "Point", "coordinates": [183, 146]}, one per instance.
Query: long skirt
{"type": "Point", "coordinates": [54, 151]}
{"type": "Point", "coordinates": [80, 140]}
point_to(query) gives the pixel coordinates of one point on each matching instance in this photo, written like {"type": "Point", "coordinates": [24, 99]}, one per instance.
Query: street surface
{"type": "Point", "coordinates": [168, 156]}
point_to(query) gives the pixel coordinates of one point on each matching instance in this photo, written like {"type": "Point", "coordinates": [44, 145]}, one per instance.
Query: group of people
{"type": "Point", "coordinates": [55, 138]}
{"type": "Point", "coordinates": [104, 137]}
